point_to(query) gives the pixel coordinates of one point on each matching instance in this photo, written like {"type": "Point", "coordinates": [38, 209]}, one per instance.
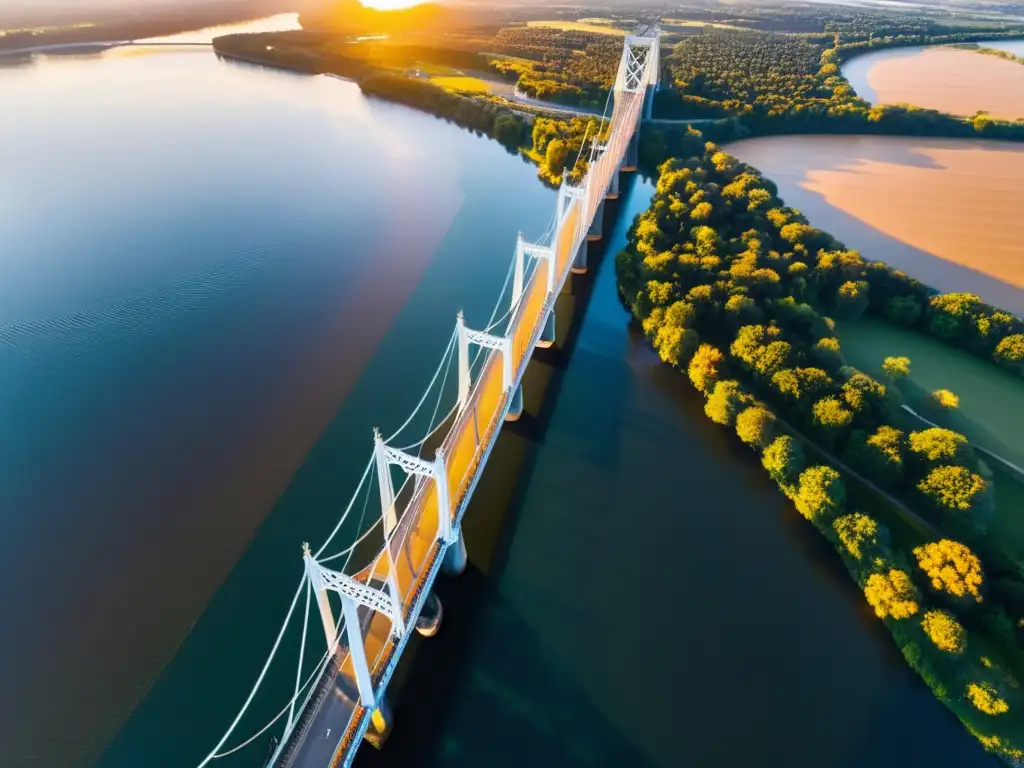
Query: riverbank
{"type": "Point", "coordinates": [730, 310]}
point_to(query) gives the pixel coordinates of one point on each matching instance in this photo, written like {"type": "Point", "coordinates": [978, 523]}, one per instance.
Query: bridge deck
{"type": "Point", "coordinates": [414, 550]}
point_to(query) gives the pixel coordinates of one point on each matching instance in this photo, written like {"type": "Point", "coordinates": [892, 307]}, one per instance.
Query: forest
{"type": "Point", "coordinates": [565, 67]}
{"type": "Point", "coordinates": [761, 84]}
{"type": "Point", "coordinates": [738, 291]}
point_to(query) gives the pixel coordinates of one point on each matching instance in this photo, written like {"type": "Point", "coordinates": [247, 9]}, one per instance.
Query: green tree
{"type": "Point", "coordinates": [892, 594]}
{"type": "Point", "coordinates": [706, 367]}
{"type": "Point", "coordinates": [784, 460]}
{"type": "Point", "coordinates": [903, 310]}
{"type": "Point", "coordinates": [742, 311]}
{"type": "Point", "coordinates": [756, 427]}
{"type": "Point", "coordinates": [953, 569]}
{"type": "Point", "coordinates": [820, 494]}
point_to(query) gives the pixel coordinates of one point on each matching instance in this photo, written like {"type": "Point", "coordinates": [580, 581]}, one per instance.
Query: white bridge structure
{"type": "Point", "coordinates": [367, 613]}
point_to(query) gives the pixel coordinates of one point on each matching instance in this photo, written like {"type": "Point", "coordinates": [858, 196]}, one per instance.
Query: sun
{"type": "Point", "coordinates": [390, 5]}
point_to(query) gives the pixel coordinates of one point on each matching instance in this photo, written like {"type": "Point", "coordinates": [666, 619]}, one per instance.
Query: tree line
{"type": "Point", "coordinates": [764, 84]}
{"type": "Point", "coordinates": [738, 290]}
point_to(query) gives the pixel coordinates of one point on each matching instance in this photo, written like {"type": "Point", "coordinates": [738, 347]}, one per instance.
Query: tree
{"type": "Point", "coordinates": [885, 449]}
{"type": "Point", "coordinates": [725, 403]}
{"type": "Point", "coordinates": [986, 698]}
{"type": "Point", "coordinates": [556, 156]}
{"type": "Point", "coordinates": [892, 594]}
{"type": "Point", "coordinates": [676, 344]}
{"type": "Point", "coordinates": [852, 299]}
{"type": "Point", "coordinates": [509, 130]}
{"type": "Point", "coordinates": [953, 569]}
{"type": "Point", "coordinates": [939, 446]}
{"type": "Point", "coordinates": [903, 310]}
{"type": "Point", "coordinates": [944, 631]}
{"type": "Point", "coordinates": [954, 488]}
{"type": "Point", "coordinates": [820, 493]}
{"type": "Point", "coordinates": [756, 427]}
{"type": "Point", "coordinates": [863, 393]}
{"type": "Point", "coordinates": [742, 310]}
{"type": "Point", "coordinates": [784, 460]}
{"type": "Point", "coordinates": [943, 398]}
{"type": "Point", "coordinates": [826, 351]}
{"type": "Point", "coordinates": [1009, 353]}
{"type": "Point", "coordinates": [829, 413]}
{"type": "Point", "coordinates": [860, 535]}
{"type": "Point", "coordinates": [896, 367]}
{"type": "Point", "coordinates": [706, 367]}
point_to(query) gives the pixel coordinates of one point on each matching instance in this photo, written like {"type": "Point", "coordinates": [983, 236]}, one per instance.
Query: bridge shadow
{"type": "Point", "coordinates": [511, 690]}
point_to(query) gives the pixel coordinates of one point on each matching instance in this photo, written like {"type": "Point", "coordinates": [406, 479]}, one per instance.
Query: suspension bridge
{"type": "Point", "coordinates": [342, 701]}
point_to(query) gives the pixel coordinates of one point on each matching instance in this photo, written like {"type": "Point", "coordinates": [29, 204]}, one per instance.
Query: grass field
{"type": "Point", "coordinates": [462, 83]}
{"type": "Point", "coordinates": [669, 23]}
{"type": "Point", "coordinates": [578, 26]}
{"type": "Point", "coordinates": [990, 412]}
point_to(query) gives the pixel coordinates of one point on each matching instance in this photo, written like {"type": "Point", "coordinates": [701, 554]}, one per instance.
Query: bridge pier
{"type": "Point", "coordinates": [597, 226]}
{"type": "Point", "coordinates": [515, 409]}
{"type": "Point", "coordinates": [429, 621]}
{"type": "Point", "coordinates": [579, 264]}
{"type": "Point", "coordinates": [455, 557]}
{"type": "Point", "coordinates": [613, 188]}
{"type": "Point", "coordinates": [381, 723]}
{"type": "Point", "coordinates": [547, 336]}
{"type": "Point", "coordinates": [632, 158]}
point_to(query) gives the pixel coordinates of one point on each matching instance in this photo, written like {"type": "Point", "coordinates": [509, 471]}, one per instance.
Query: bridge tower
{"type": "Point", "coordinates": [635, 76]}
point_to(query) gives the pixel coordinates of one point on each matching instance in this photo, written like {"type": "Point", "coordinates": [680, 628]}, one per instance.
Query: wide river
{"type": "Point", "coordinates": [954, 80]}
{"type": "Point", "coordinates": [217, 279]}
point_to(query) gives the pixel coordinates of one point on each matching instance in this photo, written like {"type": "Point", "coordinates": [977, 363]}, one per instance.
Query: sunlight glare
{"type": "Point", "coordinates": [390, 5]}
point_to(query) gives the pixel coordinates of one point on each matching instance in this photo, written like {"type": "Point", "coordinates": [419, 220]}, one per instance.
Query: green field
{"type": "Point", "coordinates": [578, 26]}
{"type": "Point", "coordinates": [990, 412]}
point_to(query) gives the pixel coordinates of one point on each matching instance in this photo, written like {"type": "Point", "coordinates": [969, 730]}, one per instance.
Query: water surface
{"type": "Point", "coordinates": [958, 81]}
{"type": "Point", "coordinates": [943, 210]}
{"type": "Point", "coordinates": [206, 266]}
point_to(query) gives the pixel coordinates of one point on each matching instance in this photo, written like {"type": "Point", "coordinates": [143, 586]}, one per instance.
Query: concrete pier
{"type": "Point", "coordinates": [429, 621]}
{"type": "Point", "coordinates": [547, 336]}
{"type": "Point", "coordinates": [455, 557]}
{"type": "Point", "coordinates": [579, 264]}
{"type": "Point", "coordinates": [381, 723]}
{"type": "Point", "coordinates": [597, 226]}
{"type": "Point", "coordinates": [515, 409]}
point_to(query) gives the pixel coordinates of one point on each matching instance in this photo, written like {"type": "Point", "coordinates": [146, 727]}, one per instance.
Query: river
{"type": "Point", "coordinates": [957, 81]}
{"type": "Point", "coordinates": [217, 279]}
{"type": "Point", "coordinates": [943, 210]}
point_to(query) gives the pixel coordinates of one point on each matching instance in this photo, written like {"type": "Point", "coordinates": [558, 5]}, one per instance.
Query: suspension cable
{"type": "Point", "coordinates": [259, 680]}
{"type": "Point", "coordinates": [348, 509]}
{"type": "Point", "coordinates": [451, 343]}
